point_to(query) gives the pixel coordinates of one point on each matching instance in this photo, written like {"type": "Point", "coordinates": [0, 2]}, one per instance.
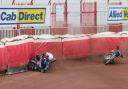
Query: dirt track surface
{"type": "Point", "coordinates": [74, 74]}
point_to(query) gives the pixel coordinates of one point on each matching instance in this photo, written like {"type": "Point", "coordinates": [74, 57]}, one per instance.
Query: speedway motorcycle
{"type": "Point", "coordinates": [109, 57]}
{"type": "Point", "coordinates": [40, 64]}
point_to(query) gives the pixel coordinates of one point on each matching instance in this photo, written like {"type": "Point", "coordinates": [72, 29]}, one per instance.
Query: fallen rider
{"type": "Point", "coordinates": [41, 62]}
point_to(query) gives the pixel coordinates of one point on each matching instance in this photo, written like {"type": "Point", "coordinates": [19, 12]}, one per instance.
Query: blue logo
{"type": "Point", "coordinates": [115, 14]}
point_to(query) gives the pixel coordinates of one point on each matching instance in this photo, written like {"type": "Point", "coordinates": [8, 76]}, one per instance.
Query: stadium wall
{"type": "Point", "coordinates": [15, 52]}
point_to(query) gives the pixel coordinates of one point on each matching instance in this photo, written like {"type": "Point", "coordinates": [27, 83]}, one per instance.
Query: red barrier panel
{"type": "Point", "coordinates": [103, 45]}
{"type": "Point", "coordinates": [18, 54]}
{"type": "Point", "coordinates": [76, 47]}
{"type": "Point", "coordinates": [48, 45]}
{"type": "Point", "coordinates": [3, 59]}
{"type": "Point", "coordinates": [29, 50]}
{"type": "Point", "coordinates": [123, 43]}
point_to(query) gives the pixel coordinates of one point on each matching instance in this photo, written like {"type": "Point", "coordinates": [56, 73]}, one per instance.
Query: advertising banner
{"type": "Point", "coordinates": [117, 14]}
{"type": "Point", "coordinates": [27, 15]}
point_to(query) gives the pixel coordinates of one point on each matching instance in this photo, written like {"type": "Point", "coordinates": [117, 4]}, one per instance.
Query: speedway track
{"type": "Point", "coordinates": [72, 74]}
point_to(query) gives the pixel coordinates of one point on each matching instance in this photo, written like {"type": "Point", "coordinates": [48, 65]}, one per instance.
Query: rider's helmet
{"type": "Point", "coordinates": [47, 54]}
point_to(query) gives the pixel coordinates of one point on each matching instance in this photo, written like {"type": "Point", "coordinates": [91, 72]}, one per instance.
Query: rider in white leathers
{"type": "Point", "coordinates": [47, 60]}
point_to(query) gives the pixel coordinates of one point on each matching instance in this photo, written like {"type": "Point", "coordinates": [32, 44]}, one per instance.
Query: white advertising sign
{"type": "Point", "coordinates": [117, 14]}
{"type": "Point", "coordinates": [28, 15]}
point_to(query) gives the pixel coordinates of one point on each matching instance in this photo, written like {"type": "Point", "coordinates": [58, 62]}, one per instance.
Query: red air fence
{"type": "Point", "coordinates": [18, 51]}
{"type": "Point", "coordinates": [76, 46]}
{"type": "Point", "coordinates": [3, 57]}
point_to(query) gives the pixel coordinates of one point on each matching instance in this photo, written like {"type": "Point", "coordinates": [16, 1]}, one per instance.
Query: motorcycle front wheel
{"type": "Point", "coordinates": [108, 58]}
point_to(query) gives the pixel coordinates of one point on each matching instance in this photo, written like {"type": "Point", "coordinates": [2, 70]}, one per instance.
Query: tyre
{"type": "Point", "coordinates": [108, 58]}
{"type": "Point", "coordinates": [32, 66]}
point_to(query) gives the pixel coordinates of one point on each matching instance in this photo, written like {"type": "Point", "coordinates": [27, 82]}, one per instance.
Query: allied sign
{"type": "Point", "coordinates": [27, 15]}
{"type": "Point", "coordinates": [117, 14]}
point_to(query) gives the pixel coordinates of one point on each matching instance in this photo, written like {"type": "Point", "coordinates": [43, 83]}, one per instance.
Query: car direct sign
{"type": "Point", "coordinates": [117, 14]}
{"type": "Point", "coordinates": [22, 15]}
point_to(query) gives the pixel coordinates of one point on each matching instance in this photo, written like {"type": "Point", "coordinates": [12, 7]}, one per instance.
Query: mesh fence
{"type": "Point", "coordinates": [85, 20]}
{"type": "Point", "coordinates": [7, 33]}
